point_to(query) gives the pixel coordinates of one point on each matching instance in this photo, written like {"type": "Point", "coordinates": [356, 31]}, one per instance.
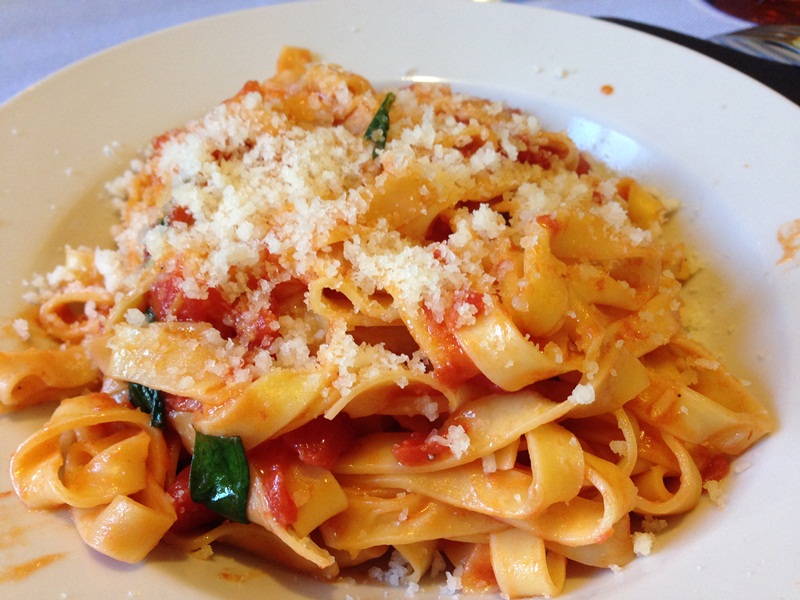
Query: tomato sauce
{"type": "Point", "coordinates": [478, 575]}
{"type": "Point", "coordinates": [24, 570]}
{"type": "Point", "coordinates": [418, 450]}
{"type": "Point", "coordinates": [789, 239]}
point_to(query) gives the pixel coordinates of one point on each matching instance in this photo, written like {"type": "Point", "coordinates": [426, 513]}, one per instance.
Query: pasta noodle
{"type": "Point", "coordinates": [450, 343]}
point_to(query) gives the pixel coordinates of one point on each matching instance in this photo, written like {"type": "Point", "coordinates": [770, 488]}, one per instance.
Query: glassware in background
{"type": "Point", "coordinates": [764, 12]}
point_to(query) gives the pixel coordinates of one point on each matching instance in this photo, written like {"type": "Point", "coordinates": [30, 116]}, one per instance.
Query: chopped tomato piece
{"type": "Point", "coordinates": [550, 222]}
{"type": "Point", "coordinates": [417, 450]}
{"type": "Point", "coordinates": [191, 514]}
{"type": "Point", "coordinates": [318, 443]}
{"type": "Point", "coordinates": [451, 364]}
{"type": "Point", "coordinates": [584, 166]}
{"type": "Point", "coordinates": [271, 460]}
{"type": "Point", "coordinates": [253, 326]}
{"type": "Point", "coordinates": [321, 441]}
{"type": "Point", "coordinates": [167, 300]}
{"type": "Point", "coordinates": [460, 299]}
{"type": "Point", "coordinates": [535, 156]}
{"type": "Point", "coordinates": [181, 214]}
{"type": "Point", "coordinates": [181, 403]}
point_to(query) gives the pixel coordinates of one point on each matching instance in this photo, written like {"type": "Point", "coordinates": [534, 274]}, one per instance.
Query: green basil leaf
{"type": "Point", "coordinates": [378, 128]}
{"type": "Point", "coordinates": [149, 401]}
{"type": "Point", "coordinates": [219, 476]}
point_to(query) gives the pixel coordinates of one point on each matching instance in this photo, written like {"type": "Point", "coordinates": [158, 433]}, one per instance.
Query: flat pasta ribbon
{"type": "Point", "coordinates": [104, 461]}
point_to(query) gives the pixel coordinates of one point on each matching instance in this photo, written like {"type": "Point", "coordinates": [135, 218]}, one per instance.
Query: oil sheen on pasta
{"type": "Point", "coordinates": [450, 347]}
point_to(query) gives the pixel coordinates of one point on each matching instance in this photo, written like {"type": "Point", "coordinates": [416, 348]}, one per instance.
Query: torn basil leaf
{"type": "Point", "coordinates": [149, 401]}
{"type": "Point", "coordinates": [219, 476]}
{"type": "Point", "coordinates": [378, 128]}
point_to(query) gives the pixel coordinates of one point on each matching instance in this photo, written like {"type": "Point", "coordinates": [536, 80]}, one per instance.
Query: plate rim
{"type": "Point", "coordinates": [551, 87]}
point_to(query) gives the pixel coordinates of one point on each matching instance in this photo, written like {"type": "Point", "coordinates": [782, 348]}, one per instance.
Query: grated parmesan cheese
{"type": "Point", "coordinates": [583, 393]}
{"type": "Point", "coordinates": [651, 524]}
{"type": "Point", "coordinates": [135, 317]}
{"type": "Point", "coordinates": [455, 438]}
{"type": "Point", "coordinates": [619, 447]}
{"type": "Point", "coordinates": [22, 328]}
{"type": "Point", "coordinates": [643, 543]}
{"type": "Point", "coordinates": [715, 493]}
{"type": "Point", "coordinates": [398, 574]}
{"type": "Point", "coordinates": [453, 583]}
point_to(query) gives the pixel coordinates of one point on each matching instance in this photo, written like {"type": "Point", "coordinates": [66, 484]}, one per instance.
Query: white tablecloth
{"type": "Point", "coordinates": [39, 37]}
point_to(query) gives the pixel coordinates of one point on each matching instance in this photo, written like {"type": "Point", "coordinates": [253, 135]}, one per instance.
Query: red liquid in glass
{"type": "Point", "coordinates": [764, 12]}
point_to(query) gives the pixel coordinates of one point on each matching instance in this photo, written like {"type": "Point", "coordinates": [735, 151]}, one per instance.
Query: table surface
{"type": "Point", "coordinates": [39, 37]}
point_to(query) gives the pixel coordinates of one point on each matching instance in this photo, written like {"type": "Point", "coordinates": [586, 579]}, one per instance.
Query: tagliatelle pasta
{"type": "Point", "coordinates": [405, 332]}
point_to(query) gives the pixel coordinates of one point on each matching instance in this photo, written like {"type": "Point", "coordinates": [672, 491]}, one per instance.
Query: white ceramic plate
{"type": "Point", "coordinates": [723, 144]}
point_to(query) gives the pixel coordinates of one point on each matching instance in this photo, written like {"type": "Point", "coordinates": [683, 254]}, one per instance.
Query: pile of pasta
{"type": "Point", "coordinates": [408, 332]}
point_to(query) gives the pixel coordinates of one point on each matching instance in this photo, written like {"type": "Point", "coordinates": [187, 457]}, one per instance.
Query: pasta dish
{"type": "Point", "coordinates": [404, 333]}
